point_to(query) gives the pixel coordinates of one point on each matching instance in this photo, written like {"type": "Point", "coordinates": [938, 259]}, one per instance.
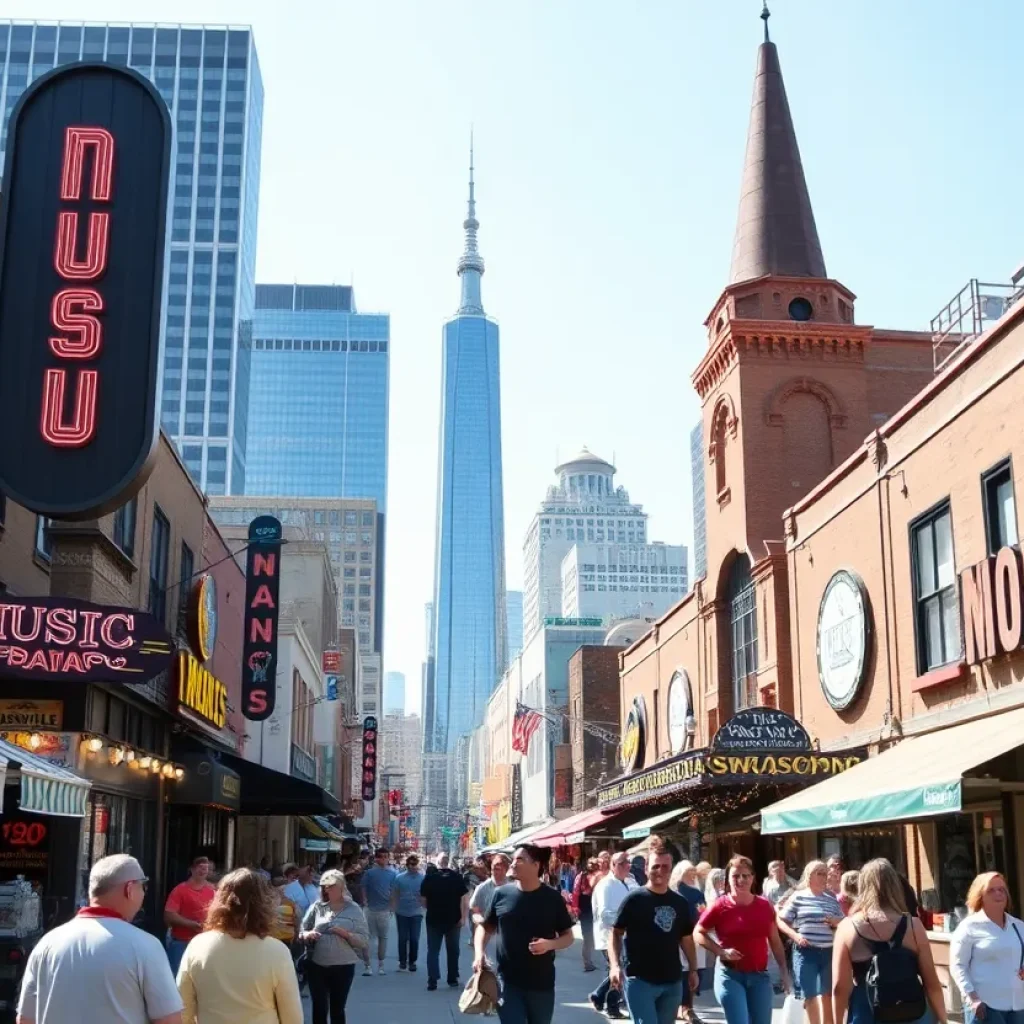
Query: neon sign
{"type": "Point", "coordinates": [61, 639]}
{"type": "Point", "coordinates": [259, 641]}
{"type": "Point", "coordinates": [201, 691]}
{"type": "Point", "coordinates": [369, 758]}
{"type": "Point", "coordinates": [82, 247]}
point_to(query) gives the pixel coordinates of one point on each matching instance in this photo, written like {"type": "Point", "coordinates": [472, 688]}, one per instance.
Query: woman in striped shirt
{"type": "Point", "coordinates": [810, 918]}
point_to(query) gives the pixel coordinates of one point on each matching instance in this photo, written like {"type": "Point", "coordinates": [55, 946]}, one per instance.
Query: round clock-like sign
{"type": "Point", "coordinates": [844, 639]}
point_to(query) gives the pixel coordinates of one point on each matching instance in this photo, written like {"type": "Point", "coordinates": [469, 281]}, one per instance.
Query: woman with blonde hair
{"type": "Point", "coordinates": [986, 954]}
{"type": "Point", "coordinates": [714, 886]}
{"type": "Point", "coordinates": [336, 928]}
{"type": "Point", "coordinates": [880, 921]}
{"type": "Point", "coordinates": [236, 972]}
{"type": "Point", "coordinates": [809, 919]}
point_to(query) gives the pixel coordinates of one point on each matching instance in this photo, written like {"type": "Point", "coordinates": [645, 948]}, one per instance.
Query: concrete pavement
{"type": "Point", "coordinates": [402, 998]}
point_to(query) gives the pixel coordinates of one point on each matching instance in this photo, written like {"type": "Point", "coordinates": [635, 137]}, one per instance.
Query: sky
{"type": "Point", "coordinates": [609, 145]}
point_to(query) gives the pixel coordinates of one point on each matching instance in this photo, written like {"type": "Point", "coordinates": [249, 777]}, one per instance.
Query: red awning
{"type": "Point", "coordinates": [569, 831]}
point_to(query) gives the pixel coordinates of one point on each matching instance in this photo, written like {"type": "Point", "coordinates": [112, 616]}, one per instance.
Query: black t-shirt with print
{"type": "Point", "coordinates": [520, 917]}
{"type": "Point", "coordinates": [654, 925]}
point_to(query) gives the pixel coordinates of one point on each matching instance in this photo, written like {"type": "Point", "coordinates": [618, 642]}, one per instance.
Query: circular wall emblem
{"type": "Point", "coordinates": [844, 636]}
{"type": "Point", "coordinates": [634, 737]}
{"type": "Point", "coordinates": [680, 711]}
{"type": "Point", "coordinates": [204, 616]}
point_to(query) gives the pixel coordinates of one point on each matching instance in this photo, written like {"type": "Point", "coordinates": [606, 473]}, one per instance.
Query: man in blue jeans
{"type": "Point", "coordinates": [653, 924]}
{"type": "Point", "coordinates": [444, 895]}
{"type": "Point", "coordinates": [531, 921]}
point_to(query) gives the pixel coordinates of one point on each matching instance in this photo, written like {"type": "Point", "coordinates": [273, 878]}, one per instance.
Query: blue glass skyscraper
{"type": "Point", "coordinates": [318, 400]}
{"type": "Point", "coordinates": [210, 80]}
{"type": "Point", "coordinates": [469, 574]}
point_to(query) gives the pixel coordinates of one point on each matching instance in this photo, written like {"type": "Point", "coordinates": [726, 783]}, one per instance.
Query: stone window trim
{"type": "Point", "coordinates": [774, 416]}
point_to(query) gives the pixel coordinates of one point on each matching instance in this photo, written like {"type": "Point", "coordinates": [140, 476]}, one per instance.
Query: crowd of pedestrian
{"type": "Point", "coordinates": [848, 947]}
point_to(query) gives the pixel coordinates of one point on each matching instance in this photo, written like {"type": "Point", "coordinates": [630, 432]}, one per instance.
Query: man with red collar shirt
{"type": "Point", "coordinates": [99, 966]}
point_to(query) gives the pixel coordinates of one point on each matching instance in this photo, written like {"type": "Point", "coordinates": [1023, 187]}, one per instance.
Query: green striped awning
{"type": "Point", "coordinates": [45, 788]}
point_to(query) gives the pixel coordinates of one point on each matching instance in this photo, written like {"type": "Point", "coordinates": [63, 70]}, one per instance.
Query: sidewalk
{"type": "Point", "coordinates": [402, 998]}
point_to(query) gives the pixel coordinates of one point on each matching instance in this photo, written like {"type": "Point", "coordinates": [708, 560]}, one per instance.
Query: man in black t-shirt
{"type": "Point", "coordinates": [655, 922]}
{"type": "Point", "coordinates": [531, 921]}
{"type": "Point", "coordinates": [444, 895]}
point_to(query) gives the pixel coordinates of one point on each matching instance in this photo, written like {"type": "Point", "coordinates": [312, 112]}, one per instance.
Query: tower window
{"type": "Point", "coordinates": [800, 309]}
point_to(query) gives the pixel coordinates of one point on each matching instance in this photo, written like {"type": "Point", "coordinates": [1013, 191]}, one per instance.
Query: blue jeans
{"type": "Point", "coordinates": [653, 1004]}
{"type": "Point", "coordinates": [606, 997]}
{"type": "Point", "coordinates": [745, 996]}
{"type": "Point", "coordinates": [408, 938]}
{"type": "Point", "coordinates": [812, 972]}
{"type": "Point", "coordinates": [175, 951]}
{"type": "Point", "coordinates": [525, 1005]}
{"type": "Point", "coordinates": [435, 936]}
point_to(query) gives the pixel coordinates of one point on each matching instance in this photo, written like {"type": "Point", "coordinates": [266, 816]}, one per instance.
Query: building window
{"type": "Point", "coordinates": [44, 546]}
{"type": "Point", "coordinates": [937, 609]}
{"type": "Point", "coordinates": [743, 626]}
{"type": "Point", "coordinates": [124, 527]}
{"type": "Point", "coordinates": [1000, 507]}
{"type": "Point", "coordinates": [188, 567]}
{"type": "Point", "coordinates": [159, 547]}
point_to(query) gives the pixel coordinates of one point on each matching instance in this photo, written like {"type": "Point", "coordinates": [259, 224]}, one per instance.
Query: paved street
{"type": "Point", "coordinates": [401, 998]}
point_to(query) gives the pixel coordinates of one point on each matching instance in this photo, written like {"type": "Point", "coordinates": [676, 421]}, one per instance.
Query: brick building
{"type": "Point", "coordinates": [594, 700]}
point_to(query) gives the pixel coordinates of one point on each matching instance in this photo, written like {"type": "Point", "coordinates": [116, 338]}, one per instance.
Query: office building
{"type": "Point", "coordinates": [700, 515]}
{"type": "Point", "coordinates": [349, 528]}
{"type": "Point", "coordinates": [402, 767]}
{"type": "Point", "coordinates": [210, 79]}
{"type": "Point", "coordinates": [318, 396]}
{"type": "Point", "coordinates": [469, 578]}
{"type": "Point", "coordinates": [394, 693]}
{"type": "Point", "coordinates": [622, 581]}
{"type": "Point", "coordinates": [584, 506]}
{"type": "Point", "coordinates": [514, 614]}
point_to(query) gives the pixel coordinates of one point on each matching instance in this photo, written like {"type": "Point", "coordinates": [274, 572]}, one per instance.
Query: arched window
{"type": "Point", "coordinates": [742, 598]}
{"type": "Point", "coordinates": [719, 439]}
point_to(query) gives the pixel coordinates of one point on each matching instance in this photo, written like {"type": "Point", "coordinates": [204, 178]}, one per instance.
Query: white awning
{"type": "Point", "coordinates": [45, 788]}
{"type": "Point", "coordinates": [645, 827]}
{"type": "Point", "coordinates": [517, 838]}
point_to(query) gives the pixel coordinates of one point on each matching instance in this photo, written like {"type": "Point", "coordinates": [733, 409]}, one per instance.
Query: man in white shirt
{"type": "Point", "coordinates": [480, 903]}
{"type": "Point", "coordinates": [606, 900]}
{"type": "Point", "coordinates": [99, 966]}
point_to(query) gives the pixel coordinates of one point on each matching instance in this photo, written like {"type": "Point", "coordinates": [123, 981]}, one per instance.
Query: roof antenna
{"type": "Point", "coordinates": [765, 15]}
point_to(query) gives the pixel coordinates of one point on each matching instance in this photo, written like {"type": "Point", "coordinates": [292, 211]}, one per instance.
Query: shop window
{"type": "Point", "coordinates": [124, 527]}
{"type": "Point", "coordinates": [1000, 507]}
{"type": "Point", "coordinates": [971, 842]}
{"type": "Point", "coordinates": [937, 608]}
{"type": "Point", "coordinates": [158, 554]}
{"type": "Point", "coordinates": [743, 629]}
{"type": "Point", "coordinates": [185, 586]}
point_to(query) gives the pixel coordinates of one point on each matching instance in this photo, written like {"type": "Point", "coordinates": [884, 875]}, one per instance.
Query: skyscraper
{"type": "Point", "coordinates": [514, 608]}
{"type": "Point", "coordinates": [469, 575]}
{"type": "Point", "coordinates": [318, 398]}
{"type": "Point", "coordinates": [210, 80]}
{"type": "Point", "coordinates": [394, 693]}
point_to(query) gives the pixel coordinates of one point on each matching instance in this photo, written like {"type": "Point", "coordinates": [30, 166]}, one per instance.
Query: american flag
{"type": "Point", "coordinates": [524, 725]}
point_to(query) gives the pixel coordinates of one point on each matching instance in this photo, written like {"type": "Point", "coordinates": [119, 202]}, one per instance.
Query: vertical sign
{"type": "Point", "coordinates": [259, 644]}
{"type": "Point", "coordinates": [83, 234]}
{"type": "Point", "coordinates": [369, 758]}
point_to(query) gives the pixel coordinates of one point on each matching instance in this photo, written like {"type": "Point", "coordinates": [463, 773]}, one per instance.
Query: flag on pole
{"type": "Point", "coordinates": [524, 725]}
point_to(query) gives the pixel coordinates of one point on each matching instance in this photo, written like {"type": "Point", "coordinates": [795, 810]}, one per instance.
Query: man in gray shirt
{"type": "Point", "coordinates": [377, 885]}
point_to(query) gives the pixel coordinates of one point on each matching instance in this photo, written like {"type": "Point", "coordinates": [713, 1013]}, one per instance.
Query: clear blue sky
{"type": "Point", "coordinates": [610, 139]}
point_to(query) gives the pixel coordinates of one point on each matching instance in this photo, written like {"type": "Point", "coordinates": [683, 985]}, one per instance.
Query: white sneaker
{"type": "Point", "coordinates": [367, 973]}
{"type": "Point", "coordinates": [380, 970]}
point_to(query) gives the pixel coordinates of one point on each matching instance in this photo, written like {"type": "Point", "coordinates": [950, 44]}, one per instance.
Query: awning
{"type": "Point", "coordinates": [570, 830]}
{"type": "Point", "coordinates": [265, 791]}
{"type": "Point", "coordinates": [644, 828]}
{"type": "Point", "coordinates": [918, 778]}
{"type": "Point", "coordinates": [45, 788]}
{"type": "Point", "coordinates": [522, 836]}
{"type": "Point", "coordinates": [207, 783]}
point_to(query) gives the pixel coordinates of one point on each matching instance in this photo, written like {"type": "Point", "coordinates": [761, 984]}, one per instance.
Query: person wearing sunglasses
{"type": "Point", "coordinates": [99, 966]}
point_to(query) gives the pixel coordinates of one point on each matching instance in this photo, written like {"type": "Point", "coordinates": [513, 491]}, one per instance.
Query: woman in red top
{"type": "Point", "coordinates": [745, 927]}
{"type": "Point", "coordinates": [582, 893]}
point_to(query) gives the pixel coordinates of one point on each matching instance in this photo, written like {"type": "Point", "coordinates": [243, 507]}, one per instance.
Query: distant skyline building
{"type": "Point", "coordinates": [318, 397]}
{"type": "Point", "coordinates": [210, 80]}
{"type": "Point", "coordinates": [700, 515]}
{"type": "Point", "coordinates": [470, 646]}
{"type": "Point", "coordinates": [584, 506]}
{"type": "Point", "coordinates": [514, 610]}
{"type": "Point", "coordinates": [394, 693]}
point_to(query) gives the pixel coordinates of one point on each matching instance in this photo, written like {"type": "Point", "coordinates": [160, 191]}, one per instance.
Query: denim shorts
{"type": "Point", "coordinates": [812, 972]}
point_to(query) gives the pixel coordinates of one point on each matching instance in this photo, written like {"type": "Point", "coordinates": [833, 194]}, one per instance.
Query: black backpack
{"type": "Point", "coordinates": [893, 984]}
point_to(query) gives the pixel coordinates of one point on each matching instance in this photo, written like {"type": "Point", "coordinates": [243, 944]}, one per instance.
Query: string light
{"type": "Point", "coordinates": [145, 762]}
{"type": "Point", "coordinates": [168, 771]}
{"type": "Point", "coordinates": [129, 756]}
{"type": "Point", "coordinates": [95, 744]}
{"type": "Point", "coordinates": [154, 766]}
{"type": "Point", "coordinates": [35, 741]}
{"type": "Point", "coordinates": [179, 773]}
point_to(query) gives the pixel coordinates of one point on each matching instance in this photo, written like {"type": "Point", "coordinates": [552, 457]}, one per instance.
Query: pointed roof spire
{"type": "Point", "coordinates": [775, 229]}
{"type": "Point", "coordinates": [471, 265]}
{"type": "Point", "coordinates": [765, 15]}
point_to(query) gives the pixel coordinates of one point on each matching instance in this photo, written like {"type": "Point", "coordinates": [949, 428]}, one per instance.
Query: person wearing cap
{"type": "Point", "coordinates": [99, 966]}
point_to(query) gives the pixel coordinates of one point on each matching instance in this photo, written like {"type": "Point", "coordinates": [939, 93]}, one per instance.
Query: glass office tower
{"type": "Point", "coordinates": [469, 576]}
{"type": "Point", "coordinates": [318, 399]}
{"type": "Point", "coordinates": [210, 80]}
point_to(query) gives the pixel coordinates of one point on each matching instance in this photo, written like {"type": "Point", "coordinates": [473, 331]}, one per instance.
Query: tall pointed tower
{"type": "Point", "coordinates": [469, 576]}
{"type": "Point", "coordinates": [790, 386]}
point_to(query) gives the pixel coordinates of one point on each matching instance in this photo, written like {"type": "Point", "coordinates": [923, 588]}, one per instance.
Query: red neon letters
{"type": "Point", "coordinates": [72, 308]}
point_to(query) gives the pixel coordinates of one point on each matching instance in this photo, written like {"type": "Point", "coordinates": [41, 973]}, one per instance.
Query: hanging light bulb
{"type": "Point", "coordinates": [168, 770]}
{"type": "Point", "coordinates": [144, 762]}
{"type": "Point", "coordinates": [154, 766]}
{"type": "Point", "coordinates": [129, 756]}
{"type": "Point", "coordinates": [35, 741]}
{"type": "Point", "coordinates": [116, 755]}
{"type": "Point", "coordinates": [179, 773]}
{"type": "Point", "coordinates": [95, 744]}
